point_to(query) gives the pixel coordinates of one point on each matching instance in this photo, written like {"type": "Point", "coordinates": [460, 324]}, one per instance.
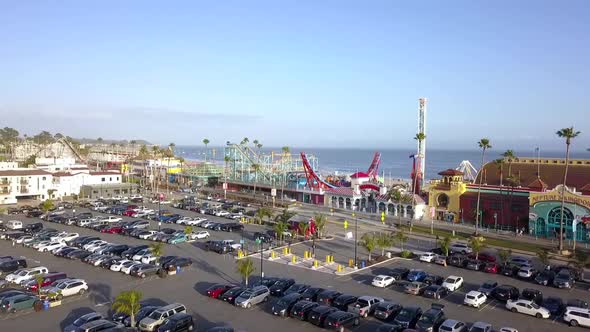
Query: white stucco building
{"type": "Point", "coordinates": [21, 183]}
{"type": "Point", "coordinates": [69, 183]}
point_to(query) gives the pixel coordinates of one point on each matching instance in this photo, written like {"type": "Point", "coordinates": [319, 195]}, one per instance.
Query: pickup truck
{"type": "Point", "coordinates": [111, 219]}
{"type": "Point", "coordinates": [365, 305]}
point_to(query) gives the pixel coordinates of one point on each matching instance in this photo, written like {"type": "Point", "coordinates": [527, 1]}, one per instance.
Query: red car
{"type": "Point", "coordinates": [112, 230]}
{"type": "Point", "coordinates": [484, 257]}
{"type": "Point", "coordinates": [129, 213]}
{"type": "Point", "coordinates": [217, 290]}
{"type": "Point", "coordinates": [491, 268]}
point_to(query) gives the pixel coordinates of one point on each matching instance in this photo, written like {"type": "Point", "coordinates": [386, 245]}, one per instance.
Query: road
{"type": "Point", "coordinates": [210, 268]}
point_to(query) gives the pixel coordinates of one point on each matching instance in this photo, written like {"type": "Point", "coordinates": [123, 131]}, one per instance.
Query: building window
{"type": "Point", "coordinates": [43, 178]}
{"type": "Point", "coordinates": [117, 178]}
{"type": "Point", "coordinates": [103, 179]}
{"type": "Point", "coordinates": [95, 191]}
{"type": "Point", "coordinates": [110, 179]}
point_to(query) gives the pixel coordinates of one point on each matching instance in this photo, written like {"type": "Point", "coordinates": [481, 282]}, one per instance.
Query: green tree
{"type": "Point", "coordinates": [129, 303]}
{"type": "Point", "coordinates": [284, 216]}
{"type": "Point", "coordinates": [47, 205]}
{"type": "Point", "coordinates": [384, 241]}
{"type": "Point", "coordinates": [568, 134]}
{"type": "Point", "coordinates": [39, 280]}
{"type": "Point", "coordinates": [543, 255]}
{"type": "Point", "coordinates": [245, 141]}
{"type": "Point", "coordinates": [320, 223]}
{"type": "Point", "coordinates": [303, 228]}
{"type": "Point", "coordinates": [401, 238]}
{"type": "Point", "coordinates": [245, 268]}
{"type": "Point", "coordinates": [445, 244]}
{"type": "Point", "coordinates": [484, 144]}
{"type": "Point", "coordinates": [369, 242]}
{"type": "Point", "coordinates": [157, 249]}
{"type": "Point", "coordinates": [99, 140]}
{"type": "Point", "coordinates": [504, 255]}
{"type": "Point", "coordinates": [262, 213]}
{"type": "Point", "coordinates": [206, 141]}
{"type": "Point", "coordinates": [477, 243]}
{"type": "Point", "coordinates": [280, 228]}
{"type": "Point", "coordinates": [509, 156]}
{"type": "Point", "coordinates": [188, 230]}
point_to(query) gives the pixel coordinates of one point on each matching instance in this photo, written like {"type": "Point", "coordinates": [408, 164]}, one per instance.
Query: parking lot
{"type": "Point", "coordinates": [209, 268]}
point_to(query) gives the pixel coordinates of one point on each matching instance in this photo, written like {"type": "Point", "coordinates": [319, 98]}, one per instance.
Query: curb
{"type": "Point", "coordinates": [370, 266]}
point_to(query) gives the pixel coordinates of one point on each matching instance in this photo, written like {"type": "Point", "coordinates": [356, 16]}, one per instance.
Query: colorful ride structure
{"type": "Point", "coordinates": [315, 182]}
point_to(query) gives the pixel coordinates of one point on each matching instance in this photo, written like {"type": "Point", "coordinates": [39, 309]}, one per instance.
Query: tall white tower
{"type": "Point", "coordinates": [422, 145]}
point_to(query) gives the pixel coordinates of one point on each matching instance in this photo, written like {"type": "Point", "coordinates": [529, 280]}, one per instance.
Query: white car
{"type": "Point", "coordinates": [92, 243]}
{"type": "Point", "coordinates": [41, 244]}
{"type": "Point", "coordinates": [51, 246]}
{"type": "Point", "coordinates": [148, 236]}
{"type": "Point", "coordinates": [119, 265]}
{"type": "Point", "coordinates": [99, 261]}
{"type": "Point", "coordinates": [576, 316]}
{"type": "Point", "coordinates": [475, 299]}
{"type": "Point", "coordinates": [97, 247]}
{"type": "Point", "coordinates": [24, 239]}
{"type": "Point", "coordinates": [509, 329]}
{"type": "Point", "coordinates": [58, 236]}
{"type": "Point", "coordinates": [139, 255]}
{"type": "Point", "coordinates": [148, 259]}
{"type": "Point", "coordinates": [221, 213]}
{"type": "Point", "coordinates": [461, 248]}
{"type": "Point", "coordinates": [528, 308]}
{"type": "Point", "coordinates": [452, 283]}
{"type": "Point", "coordinates": [199, 235]}
{"type": "Point", "coordinates": [28, 274]}
{"type": "Point", "coordinates": [126, 268]}
{"type": "Point", "coordinates": [111, 219]}
{"type": "Point", "coordinates": [195, 221]}
{"type": "Point", "coordinates": [428, 257]}
{"type": "Point", "coordinates": [69, 288]}
{"type": "Point", "coordinates": [382, 280]}
{"type": "Point", "coordinates": [183, 220]}
{"type": "Point", "coordinates": [232, 244]}
{"type": "Point", "coordinates": [206, 224]}
{"type": "Point", "coordinates": [66, 237]}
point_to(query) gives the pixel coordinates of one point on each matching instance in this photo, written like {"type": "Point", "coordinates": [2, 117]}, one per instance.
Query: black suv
{"type": "Point", "coordinates": [33, 228]}
{"type": "Point", "coordinates": [180, 322]}
{"type": "Point", "coordinates": [283, 306]}
{"type": "Point", "coordinates": [343, 301]}
{"type": "Point", "coordinates": [564, 279]}
{"type": "Point", "coordinates": [408, 317]}
{"type": "Point", "coordinates": [340, 320]}
{"type": "Point", "coordinates": [318, 315]}
{"type": "Point", "coordinates": [281, 286]}
{"type": "Point", "coordinates": [504, 293]}
{"type": "Point", "coordinates": [432, 319]}
{"type": "Point", "coordinates": [296, 288]}
{"type": "Point", "coordinates": [12, 265]}
{"type": "Point", "coordinates": [458, 261]}
{"type": "Point", "coordinates": [311, 294]}
{"type": "Point", "coordinates": [399, 273]}
{"type": "Point", "coordinates": [265, 238]}
{"type": "Point", "coordinates": [433, 279]}
{"type": "Point", "coordinates": [328, 296]}
{"type": "Point", "coordinates": [302, 309]}
{"type": "Point", "coordinates": [545, 277]}
{"type": "Point", "coordinates": [387, 310]}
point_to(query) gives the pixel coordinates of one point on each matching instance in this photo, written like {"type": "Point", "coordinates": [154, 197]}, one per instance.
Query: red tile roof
{"type": "Point", "coordinates": [62, 174]}
{"type": "Point", "coordinates": [23, 172]}
{"type": "Point", "coordinates": [340, 191]}
{"type": "Point", "coordinates": [450, 172]}
{"type": "Point", "coordinates": [359, 175]}
{"type": "Point", "coordinates": [538, 184]}
{"type": "Point", "coordinates": [105, 173]}
{"type": "Point", "coordinates": [551, 172]}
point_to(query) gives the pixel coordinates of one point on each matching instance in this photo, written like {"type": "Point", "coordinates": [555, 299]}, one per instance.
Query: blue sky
{"type": "Point", "coordinates": [300, 73]}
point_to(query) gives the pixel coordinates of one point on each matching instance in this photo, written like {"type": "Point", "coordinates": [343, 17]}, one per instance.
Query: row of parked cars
{"type": "Point", "coordinates": [519, 267]}
{"type": "Point", "coordinates": [333, 310]}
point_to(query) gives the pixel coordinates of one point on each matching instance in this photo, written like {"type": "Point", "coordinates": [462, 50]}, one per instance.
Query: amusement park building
{"type": "Point", "coordinates": [522, 194]}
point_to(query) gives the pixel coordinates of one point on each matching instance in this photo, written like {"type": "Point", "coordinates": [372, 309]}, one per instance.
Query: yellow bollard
{"type": "Point", "coordinates": [328, 259]}
{"type": "Point", "coordinates": [339, 269]}
{"type": "Point", "coordinates": [285, 251]}
{"type": "Point", "coordinates": [350, 262]}
{"type": "Point", "coordinates": [273, 254]}
{"type": "Point", "coordinates": [294, 259]}
{"type": "Point", "coordinates": [316, 263]}
{"type": "Point", "coordinates": [331, 258]}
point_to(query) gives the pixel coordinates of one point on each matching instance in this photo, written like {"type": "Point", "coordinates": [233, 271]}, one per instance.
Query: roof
{"type": "Point", "coordinates": [550, 172]}
{"type": "Point", "coordinates": [61, 174]}
{"type": "Point", "coordinates": [451, 172]}
{"type": "Point", "coordinates": [23, 172]}
{"type": "Point", "coordinates": [538, 184]}
{"type": "Point", "coordinates": [586, 187]}
{"type": "Point", "coordinates": [340, 191]}
{"type": "Point", "coordinates": [359, 175]}
{"type": "Point", "coordinates": [105, 173]}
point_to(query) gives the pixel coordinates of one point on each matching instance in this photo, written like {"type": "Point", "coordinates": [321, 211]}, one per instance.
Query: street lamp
{"type": "Point", "coordinates": [355, 239]}
{"type": "Point", "coordinates": [259, 241]}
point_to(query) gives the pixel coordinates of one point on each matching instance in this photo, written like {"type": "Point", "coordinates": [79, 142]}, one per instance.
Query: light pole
{"type": "Point", "coordinates": [355, 239]}
{"type": "Point", "coordinates": [259, 240]}
{"type": "Point", "coordinates": [159, 211]}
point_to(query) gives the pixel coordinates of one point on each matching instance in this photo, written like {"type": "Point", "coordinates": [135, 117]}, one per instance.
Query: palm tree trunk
{"type": "Point", "coordinates": [567, 157]}
{"type": "Point", "coordinates": [483, 152]}
{"type": "Point", "coordinates": [132, 319]}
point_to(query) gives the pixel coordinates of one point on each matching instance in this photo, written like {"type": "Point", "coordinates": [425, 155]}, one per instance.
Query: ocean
{"type": "Point", "coordinates": [395, 163]}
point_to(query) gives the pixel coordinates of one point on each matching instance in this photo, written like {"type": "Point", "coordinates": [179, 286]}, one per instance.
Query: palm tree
{"type": "Point", "coordinates": [245, 268]}
{"type": "Point", "coordinates": [476, 243]}
{"type": "Point", "coordinates": [286, 152]}
{"type": "Point", "coordinates": [401, 238]}
{"type": "Point", "coordinates": [483, 144]}
{"type": "Point", "coordinates": [510, 156]}
{"type": "Point", "coordinates": [396, 196]}
{"type": "Point", "coordinates": [419, 137]}
{"type": "Point", "coordinates": [255, 168]}
{"type": "Point", "coordinates": [500, 164]}
{"type": "Point", "coordinates": [99, 140]}
{"type": "Point", "coordinates": [369, 242]}
{"type": "Point", "coordinates": [255, 143]}
{"type": "Point", "coordinates": [445, 244]}
{"type": "Point", "coordinates": [157, 249]}
{"type": "Point", "coordinates": [303, 228]}
{"type": "Point", "coordinates": [280, 228]}
{"type": "Point", "coordinates": [226, 160]}
{"type": "Point", "coordinates": [320, 223]}
{"type": "Point", "coordinates": [206, 142]}
{"type": "Point", "coordinates": [129, 303]}
{"type": "Point", "coordinates": [504, 255]}
{"type": "Point", "coordinates": [543, 255]}
{"type": "Point", "coordinates": [384, 241]}
{"type": "Point", "coordinates": [170, 154]}
{"type": "Point", "coordinates": [568, 134]}
{"type": "Point", "coordinates": [156, 153]}
{"type": "Point", "coordinates": [244, 141]}
{"type": "Point", "coordinates": [188, 230]}
{"type": "Point", "coordinates": [39, 280]}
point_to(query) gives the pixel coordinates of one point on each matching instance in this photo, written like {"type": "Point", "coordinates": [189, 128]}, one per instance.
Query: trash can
{"type": "Point", "coordinates": [388, 254]}
{"type": "Point", "coordinates": [46, 305]}
{"type": "Point", "coordinates": [363, 264]}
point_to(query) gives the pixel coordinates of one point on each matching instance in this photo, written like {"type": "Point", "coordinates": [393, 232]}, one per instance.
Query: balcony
{"type": "Point", "coordinates": [4, 183]}
{"type": "Point", "coordinates": [24, 191]}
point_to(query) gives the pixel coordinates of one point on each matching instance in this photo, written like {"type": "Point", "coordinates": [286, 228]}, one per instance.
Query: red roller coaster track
{"type": "Point", "coordinates": [315, 182]}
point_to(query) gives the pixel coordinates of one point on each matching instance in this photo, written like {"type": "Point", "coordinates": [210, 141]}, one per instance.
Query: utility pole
{"type": "Point", "coordinates": [356, 228]}
{"type": "Point", "coordinates": [261, 259]}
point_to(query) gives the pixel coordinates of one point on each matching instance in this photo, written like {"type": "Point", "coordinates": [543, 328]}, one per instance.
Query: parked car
{"type": "Point", "coordinates": [82, 320]}
{"type": "Point", "coordinates": [416, 275]}
{"type": "Point", "coordinates": [428, 257]}
{"type": "Point", "coordinates": [532, 295]}
{"type": "Point", "coordinates": [487, 287]}
{"type": "Point", "coordinates": [365, 305]}
{"type": "Point", "coordinates": [312, 294]}
{"type": "Point", "coordinates": [283, 306]}
{"type": "Point", "coordinates": [408, 317]}
{"type": "Point", "coordinates": [441, 260]}
{"type": "Point", "coordinates": [458, 261]}
{"type": "Point", "coordinates": [281, 286]}
{"type": "Point", "coordinates": [564, 279]}
{"type": "Point", "coordinates": [554, 304]}
{"type": "Point", "coordinates": [526, 272]}
{"type": "Point", "coordinates": [328, 296]}
{"type": "Point", "coordinates": [475, 299]}
{"type": "Point", "coordinates": [475, 265]}
{"type": "Point", "coordinates": [431, 319]}
{"type": "Point", "coordinates": [317, 316]}
{"type": "Point", "coordinates": [341, 321]}
{"type": "Point", "coordinates": [343, 301]}
{"type": "Point", "coordinates": [231, 294]}
{"type": "Point", "coordinates": [461, 248]}
{"type": "Point", "coordinates": [68, 288]}
{"type": "Point", "coordinates": [301, 309]}
{"type": "Point", "coordinates": [433, 279]}
{"type": "Point", "coordinates": [387, 311]}
{"type": "Point", "coordinates": [452, 283]}
{"type": "Point", "coordinates": [481, 327]}
{"type": "Point", "coordinates": [296, 288]}
{"type": "Point", "coordinates": [415, 288]}
{"type": "Point", "coordinates": [12, 265]}
{"type": "Point", "coordinates": [252, 297]}
{"type": "Point", "coordinates": [435, 292]}
{"type": "Point", "coordinates": [144, 270]}
{"type": "Point", "coordinates": [199, 235]}
{"type": "Point", "coordinates": [491, 268]}
{"type": "Point", "coordinates": [575, 316]}
{"type": "Point", "coordinates": [520, 261]}
{"type": "Point", "coordinates": [528, 308]}
{"type": "Point", "coordinates": [46, 280]}
{"type": "Point", "coordinates": [382, 281]}
{"type": "Point", "coordinates": [452, 325]}
{"type": "Point", "coordinates": [545, 277]}
{"type": "Point", "coordinates": [504, 293]}
{"type": "Point", "coordinates": [180, 322]}
{"type": "Point", "coordinates": [159, 316]}
{"type": "Point", "coordinates": [18, 303]}
{"type": "Point", "coordinates": [399, 273]}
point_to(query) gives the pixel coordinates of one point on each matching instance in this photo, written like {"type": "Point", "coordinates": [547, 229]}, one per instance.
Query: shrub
{"type": "Point", "coordinates": [406, 254]}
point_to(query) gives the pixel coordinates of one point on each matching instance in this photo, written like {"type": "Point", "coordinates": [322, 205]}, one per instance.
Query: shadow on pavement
{"type": "Point", "coordinates": [206, 267]}
{"type": "Point", "coordinates": [100, 293]}
{"type": "Point", "coordinates": [73, 315]}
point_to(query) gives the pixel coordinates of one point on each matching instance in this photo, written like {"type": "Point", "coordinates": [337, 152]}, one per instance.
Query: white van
{"type": "Point", "coordinates": [14, 224]}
